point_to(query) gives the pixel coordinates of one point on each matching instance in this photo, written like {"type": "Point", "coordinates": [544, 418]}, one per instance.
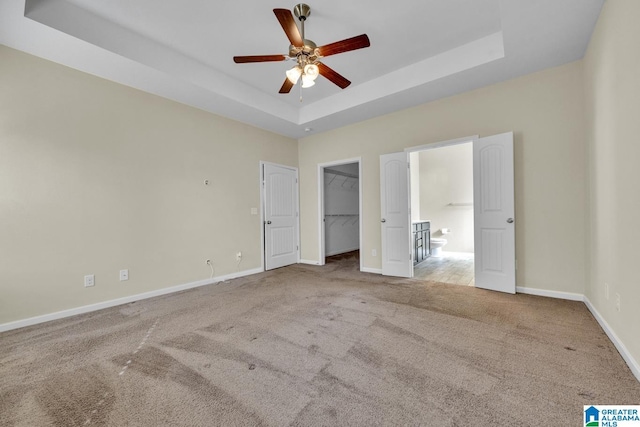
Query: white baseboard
{"type": "Point", "coordinates": [120, 301]}
{"type": "Point", "coordinates": [622, 349]}
{"type": "Point", "coordinates": [465, 254]}
{"type": "Point", "coordinates": [308, 261]}
{"type": "Point", "coordinates": [371, 270]}
{"type": "Point", "coordinates": [551, 294]}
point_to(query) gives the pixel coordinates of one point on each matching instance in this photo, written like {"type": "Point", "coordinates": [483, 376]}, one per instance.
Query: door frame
{"type": "Point", "coordinates": [439, 144]}
{"type": "Point", "coordinates": [321, 222]}
{"type": "Point", "coordinates": [261, 186]}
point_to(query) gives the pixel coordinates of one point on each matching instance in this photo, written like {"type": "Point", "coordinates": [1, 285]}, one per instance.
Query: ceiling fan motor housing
{"type": "Point", "coordinates": [309, 49]}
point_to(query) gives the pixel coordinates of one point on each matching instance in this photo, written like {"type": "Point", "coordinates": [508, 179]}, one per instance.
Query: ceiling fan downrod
{"type": "Point", "coordinates": [302, 12]}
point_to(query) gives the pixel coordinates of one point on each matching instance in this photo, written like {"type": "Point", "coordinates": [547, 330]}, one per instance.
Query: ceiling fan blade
{"type": "Point", "coordinates": [332, 75]}
{"type": "Point", "coordinates": [258, 58]}
{"type": "Point", "coordinates": [357, 42]}
{"type": "Point", "coordinates": [285, 17]}
{"type": "Point", "coordinates": [286, 86]}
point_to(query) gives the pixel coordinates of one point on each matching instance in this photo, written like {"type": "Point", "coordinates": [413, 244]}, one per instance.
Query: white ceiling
{"type": "Point", "coordinates": [421, 50]}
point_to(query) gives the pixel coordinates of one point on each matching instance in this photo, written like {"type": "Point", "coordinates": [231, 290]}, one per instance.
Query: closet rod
{"type": "Point", "coordinates": [335, 172]}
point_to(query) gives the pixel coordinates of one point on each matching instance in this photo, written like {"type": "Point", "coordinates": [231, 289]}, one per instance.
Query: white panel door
{"type": "Point", "coordinates": [281, 216]}
{"type": "Point", "coordinates": [494, 227]}
{"type": "Point", "coordinates": [397, 256]}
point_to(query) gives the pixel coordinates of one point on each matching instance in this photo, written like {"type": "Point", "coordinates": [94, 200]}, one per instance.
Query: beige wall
{"type": "Point", "coordinates": [446, 180]}
{"type": "Point", "coordinates": [96, 177]}
{"type": "Point", "coordinates": [545, 112]}
{"type": "Point", "coordinates": [612, 97]}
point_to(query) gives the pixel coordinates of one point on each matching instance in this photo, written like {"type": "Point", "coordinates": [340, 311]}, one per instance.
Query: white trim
{"type": "Point", "coordinates": [622, 349]}
{"type": "Point", "coordinates": [371, 270]}
{"type": "Point", "coordinates": [321, 223]}
{"type": "Point", "coordinates": [439, 144]}
{"type": "Point", "coordinates": [262, 208]}
{"type": "Point", "coordinates": [551, 294]}
{"type": "Point", "coordinates": [309, 262]}
{"type": "Point", "coordinates": [619, 345]}
{"type": "Point", "coordinates": [360, 196]}
{"type": "Point", "coordinates": [321, 228]}
{"type": "Point", "coordinates": [124, 300]}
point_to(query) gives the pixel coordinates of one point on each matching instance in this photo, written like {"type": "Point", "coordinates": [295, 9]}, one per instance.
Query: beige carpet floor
{"type": "Point", "coordinates": [315, 346]}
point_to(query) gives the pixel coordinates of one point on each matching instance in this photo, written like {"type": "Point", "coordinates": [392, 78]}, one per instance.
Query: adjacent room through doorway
{"type": "Point", "coordinates": [340, 210]}
{"type": "Point", "coordinates": [442, 214]}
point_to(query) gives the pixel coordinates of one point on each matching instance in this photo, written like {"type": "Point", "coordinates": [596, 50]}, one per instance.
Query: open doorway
{"type": "Point", "coordinates": [493, 207]}
{"type": "Point", "coordinates": [442, 213]}
{"type": "Point", "coordinates": [340, 210]}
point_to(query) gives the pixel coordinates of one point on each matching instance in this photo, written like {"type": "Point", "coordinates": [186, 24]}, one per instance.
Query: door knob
{"type": "Point", "coordinates": [383, 220]}
{"type": "Point", "coordinates": [510, 220]}
{"type": "Point", "coordinates": [268, 222]}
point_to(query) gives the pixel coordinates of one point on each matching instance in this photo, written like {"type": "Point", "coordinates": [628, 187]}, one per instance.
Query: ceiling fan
{"type": "Point", "coordinates": [305, 52]}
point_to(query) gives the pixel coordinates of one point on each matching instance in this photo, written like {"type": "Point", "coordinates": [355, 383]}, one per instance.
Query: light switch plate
{"type": "Point", "coordinates": [124, 275]}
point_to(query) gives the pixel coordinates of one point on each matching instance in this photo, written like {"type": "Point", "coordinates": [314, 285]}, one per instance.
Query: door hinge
{"type": "Point", "coordinates": [409, 257]}
{"type": "Point", "coordinates": [297, 248]}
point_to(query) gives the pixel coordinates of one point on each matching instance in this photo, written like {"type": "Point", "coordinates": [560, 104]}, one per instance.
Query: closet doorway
{"type": "Point", "coordinates": [340, 208]}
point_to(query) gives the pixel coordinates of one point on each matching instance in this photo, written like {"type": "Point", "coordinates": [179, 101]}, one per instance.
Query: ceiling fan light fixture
{"type": "Point", "coordinates": [305, 52]}
{"type": "Point", "coordinates": [307, 81]}
{"type": "Point", "coordinates": [312, 71]}
{"type": "Point", "coordinates": [294, 74]}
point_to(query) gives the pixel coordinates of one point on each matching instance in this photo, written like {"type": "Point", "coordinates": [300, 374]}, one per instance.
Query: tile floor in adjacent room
{"type": "Point", "coordinates": [451, 267]}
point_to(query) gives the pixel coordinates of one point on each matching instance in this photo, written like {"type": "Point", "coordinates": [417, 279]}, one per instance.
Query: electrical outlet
{"type": "Point", "coordinates": [617, 302]}
{"type": "Point", "coordinates": [124, 275]}
{"type": "Point", "coordinates": [208, 262]}
{"type": "Point", "coordinates": [238, 256]}
{"type": "Point", "coordinates": [374, 252]}
{"type": "Point", "coordinates": [606, 290]}
{"type": "Point", "coordinates": [89, 280]}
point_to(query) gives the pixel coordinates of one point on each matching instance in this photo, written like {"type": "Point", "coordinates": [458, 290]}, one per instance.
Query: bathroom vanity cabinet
{"type": "Point", "coordinates": [422, 241]}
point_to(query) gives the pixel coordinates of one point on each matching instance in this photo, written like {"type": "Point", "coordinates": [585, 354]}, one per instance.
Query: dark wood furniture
{"type": "Point", "coordinates": [422, 241]}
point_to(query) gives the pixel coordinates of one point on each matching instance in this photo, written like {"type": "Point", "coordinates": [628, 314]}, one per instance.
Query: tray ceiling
{"type": "Point", "coordinates": [420, 50]}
